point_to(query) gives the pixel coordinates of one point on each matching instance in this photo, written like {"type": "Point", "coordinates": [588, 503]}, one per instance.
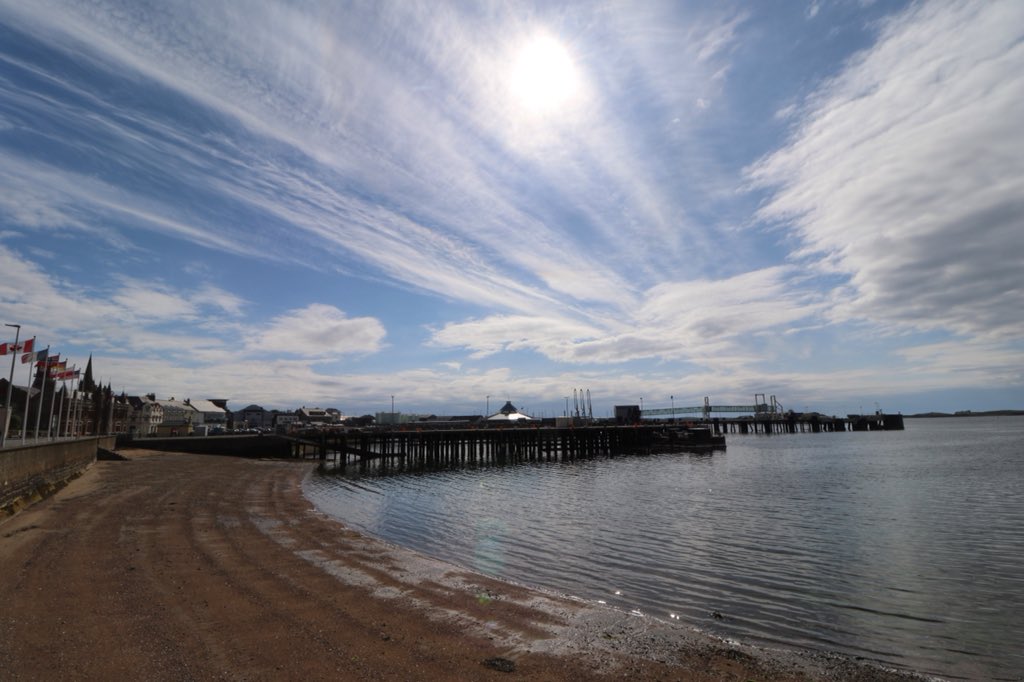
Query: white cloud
{"type": "Point", "coordinates": [160, 301]}
{"type": "Point", "coordinates": [29, 294]}
{"type": "Point", "coordinates": [351, 108]}
{"type": "Point", "coordinates": [39, 195]}
{"type": "Point", "coordinates": [130, 316]}
{"type": "Point", "coordinates": [549, 335]}
{"type": "Point", "coordinates": [154, 303]}
{"type": "Point", "coordinates": [319, 331]}
{"type": "Point", "coordinates": [979, 363]}
{"type": "Point", "coordinates": [223, 301]}
{"type": "Point", "coordinates": [700, 320]}
{"type": "Point", "coordinates": [907, 172]}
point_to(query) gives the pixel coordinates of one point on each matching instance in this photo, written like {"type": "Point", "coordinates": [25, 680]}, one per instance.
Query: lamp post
{"type": "Point", "coordinates": [10, 385]}
{"type": "Point", "coordinates": [487, 411]}
{"type": "Point", "coordinates": [641, 406]}
{"type": "Point", "coordinates": [673, 399]}
{"type": "Point", "coordinates": [566, 414]}
{"type": "Point", "coordinates": [394, 419]}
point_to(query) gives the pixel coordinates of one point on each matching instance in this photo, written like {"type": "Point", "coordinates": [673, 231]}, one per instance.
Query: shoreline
{"type": "Point", "coordinates": [170, 566]}
{"type": "Point", "coordinates": [666, 641]}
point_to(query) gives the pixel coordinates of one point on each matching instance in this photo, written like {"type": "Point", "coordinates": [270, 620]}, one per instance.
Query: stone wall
{"type": "Point", "coordinates": [34, 471]}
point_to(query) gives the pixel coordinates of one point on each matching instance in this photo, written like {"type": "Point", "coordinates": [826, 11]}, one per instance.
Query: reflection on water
{"type": "Point", "coordinates": [902, 547]}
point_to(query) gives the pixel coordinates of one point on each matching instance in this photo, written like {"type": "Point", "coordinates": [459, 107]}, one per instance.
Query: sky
{"type": "Point", "coordinates": [452, 205]}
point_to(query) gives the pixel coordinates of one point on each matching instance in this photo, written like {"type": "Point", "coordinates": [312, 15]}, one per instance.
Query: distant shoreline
{"type": "Point", "coordinates": [968, 413]}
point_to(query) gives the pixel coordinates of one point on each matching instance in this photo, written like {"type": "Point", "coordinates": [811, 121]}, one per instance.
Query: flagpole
{"type": "Point", "coordinates": [76, 403]}
{"type": "Point", "coordinates": [60, 410]}
{"type": "Point", "coordinates": [42, 393]}
{"type": "Point", "coordinates": [49, 418]}
{"type": "Point", "coordinates": [110, 423]}
{"type": "Point", "coordinates": [10, 385]}
{"type": "Point", "coordinates": [28, 395]}
{"type": "Point", "coordinates": [96, 410]}
{"type": "Point", "coordinates": [71, 405]}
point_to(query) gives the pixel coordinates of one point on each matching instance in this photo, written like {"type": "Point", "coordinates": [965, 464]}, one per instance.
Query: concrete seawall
{"type": "Point", "coordinates": [236, 446]}
{"type": "Point", "coordinates": [34, 471]}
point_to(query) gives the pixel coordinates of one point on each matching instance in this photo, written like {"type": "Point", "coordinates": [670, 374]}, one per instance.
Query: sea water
{"type": "Point", "coordinates": [903, 547]}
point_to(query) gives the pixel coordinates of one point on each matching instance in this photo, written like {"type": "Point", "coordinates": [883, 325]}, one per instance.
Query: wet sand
{"type": "Point", "coordinates": [173, 567]}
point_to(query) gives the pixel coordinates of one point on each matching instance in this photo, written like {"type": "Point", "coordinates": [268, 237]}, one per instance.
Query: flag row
{"type": "Point", "coordinates": [56, 368]}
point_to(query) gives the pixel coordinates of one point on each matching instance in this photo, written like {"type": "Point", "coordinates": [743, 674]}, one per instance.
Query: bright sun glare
{"type": "Point", "coordinates": [544, 78]}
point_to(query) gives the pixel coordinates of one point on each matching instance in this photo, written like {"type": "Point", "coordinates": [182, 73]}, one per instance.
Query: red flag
{"type": "Point", "coordinates": [27, 346]}
{"type": "Point", "coordinates": [6, 348]}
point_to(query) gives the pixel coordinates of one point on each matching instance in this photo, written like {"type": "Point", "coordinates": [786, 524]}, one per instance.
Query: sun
{"type": "Point", "coordinates": [544, 78]}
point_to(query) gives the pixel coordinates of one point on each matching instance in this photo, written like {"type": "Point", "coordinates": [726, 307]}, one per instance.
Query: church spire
{"type": "Point", "coordinates": [88, 385]}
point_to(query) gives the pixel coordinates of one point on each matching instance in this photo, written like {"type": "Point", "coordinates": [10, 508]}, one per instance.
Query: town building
{"type": "Point", "coordinates": [282, 420]}
{"type": "Point", "coordinates": [253, 417]}
{"type": "Point", "coordinates": [179, 416]}
{"type": "Point", "coordinates": [145, 416]}
{"type": "Point", "coordinates": [314, 415]}
{"type": "Point", "coordinates": [209, 413]}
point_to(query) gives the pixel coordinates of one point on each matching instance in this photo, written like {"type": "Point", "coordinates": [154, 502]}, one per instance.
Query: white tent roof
{"type": "Point", "coordinates": [514, 417]}
{"type": "Point", "coordinates": [509, 413]}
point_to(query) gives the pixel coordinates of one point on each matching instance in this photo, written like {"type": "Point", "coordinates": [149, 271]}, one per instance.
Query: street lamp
{"type": "Point", "coordinates": [487, 412]}
{"type": "Point", "coordinates": [673, 399]}
{"type": "Point", "coordinates": [10, 385]}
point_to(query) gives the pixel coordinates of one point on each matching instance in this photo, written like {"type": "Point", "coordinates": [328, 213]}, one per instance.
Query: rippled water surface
{"type": "Point", "coordinates": [902, 547]}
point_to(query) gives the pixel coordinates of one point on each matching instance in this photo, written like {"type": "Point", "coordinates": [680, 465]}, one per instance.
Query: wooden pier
{"type": "Point", "coordinates": [415, 447]}
{"type": "Point", "coordinates": [395, 450]}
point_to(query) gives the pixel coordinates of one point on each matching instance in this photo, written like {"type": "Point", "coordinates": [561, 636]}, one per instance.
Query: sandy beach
{"type": "Point", "coordinates": [173, 567]}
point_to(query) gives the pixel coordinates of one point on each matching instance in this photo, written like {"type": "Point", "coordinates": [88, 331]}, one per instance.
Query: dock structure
{"type": "Point", "coordinates": [393, 450]}
{"type": "Point", "coordinates": [812, 423]}
{"type": "Point", "coordinates": [765, 416]}
{"type": "Point", "coordinates": [433, 445]}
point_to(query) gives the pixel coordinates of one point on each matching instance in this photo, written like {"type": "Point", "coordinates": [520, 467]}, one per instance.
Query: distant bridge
{"type": "Point", "coordinates": [770, 409]}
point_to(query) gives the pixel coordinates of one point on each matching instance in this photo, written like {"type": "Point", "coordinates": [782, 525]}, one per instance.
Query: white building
{"type": "Point", "coordinates": [178, 417]}
{"type": "Point", "coordinates": [209, 413]}
{"type": "Point", "coordinates": [314, 415]}
{"type": "Point", "coordinates": [145, 416]}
